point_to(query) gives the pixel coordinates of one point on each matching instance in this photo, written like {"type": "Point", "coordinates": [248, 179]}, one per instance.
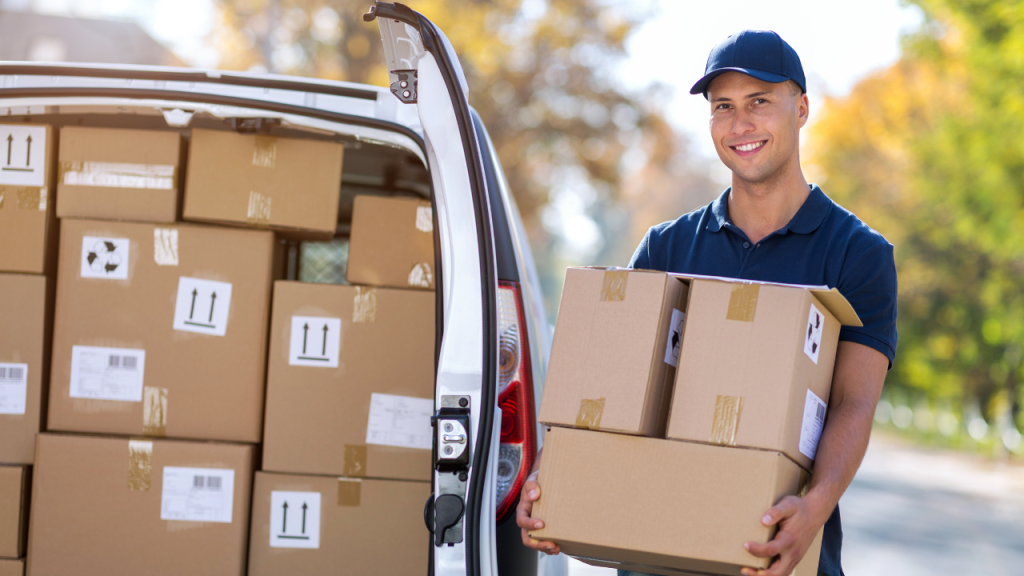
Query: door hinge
{"type": "Point", "coordinates": [405, 87]}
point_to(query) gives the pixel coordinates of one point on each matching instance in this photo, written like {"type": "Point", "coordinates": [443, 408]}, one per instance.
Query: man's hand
{"type": "Point", "coordinates": [531, 492]}
{"type": "Point", "coordinates": [799, 520]}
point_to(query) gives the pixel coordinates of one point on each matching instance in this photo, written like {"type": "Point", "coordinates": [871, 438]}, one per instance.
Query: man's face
{"type": "Point", "coordinates": [755, 124]}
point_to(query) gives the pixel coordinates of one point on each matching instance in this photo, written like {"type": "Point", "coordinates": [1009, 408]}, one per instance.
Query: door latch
{"type": "Point", "coordinates": [451, 441]}
{"type": "Point", "coordinates": [405, 87]}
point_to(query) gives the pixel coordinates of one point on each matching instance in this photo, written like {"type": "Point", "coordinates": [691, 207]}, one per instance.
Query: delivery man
{"type": "Point", "coordinates": [771, 225]}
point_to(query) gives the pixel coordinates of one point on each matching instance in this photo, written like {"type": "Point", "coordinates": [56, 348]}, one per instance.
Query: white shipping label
{"type": "Point", "coordinates": [675, 338]}
{"type": "Point", "coordinates": [294, 519]}
{"type": "Point", "coordinates": [812, 336]}
{"type": "Point", "coordinates": [315, 341]}
{"type": "Point", "coordinates": [104, 258]}
{"type": "Point", "coordinates": [13, 387]}
{"type": "Point", "coordinates": [197, 494]}
{"type": "Point", "coordinates": [202, 306]}
{"type": "Point", "coordinates": [23, 162]}
{"type": "Point", "coordinates": [814, 421]}
{"type": "Point", "coordinates": [400, 421]}
{"type": "Point", "coordinates": [107, 373]}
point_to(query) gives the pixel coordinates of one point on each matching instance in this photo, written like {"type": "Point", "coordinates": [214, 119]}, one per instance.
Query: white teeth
{"type": "Point", "coordinates": [749, 147]}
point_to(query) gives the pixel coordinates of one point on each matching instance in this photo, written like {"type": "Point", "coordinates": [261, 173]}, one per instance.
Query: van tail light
{"type": "Point", "coordinates": [515, 398]}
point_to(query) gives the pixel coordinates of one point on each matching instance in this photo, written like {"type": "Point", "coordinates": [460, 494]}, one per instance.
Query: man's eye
{"type": "Point", "coordinates": [721, 107]}
{"type": "Point", "coordinates": [760, 101]}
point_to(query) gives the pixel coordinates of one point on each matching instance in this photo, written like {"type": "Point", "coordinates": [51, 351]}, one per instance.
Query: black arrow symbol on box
{"type": "Point", "coordinates": [28, 153]}
{"type": "Point", "coordinates": [213, 300]}
{"type": "Point", "coordinates": [304, 517]}
{"type": "Point", "coordinates": [10, 140]}
{"type": "Point", "coordinates": [110, 245]}
{"type": "Point", "coordinates": [324, 351]}
{"type": "Point", "coordinates": [284, 523]}
{"type": "Point", "coordinates": [110, 267]}
{"type": "Point", "coordinates": [193, 308]}
{"type": "Point", "coordinates": [305, 333]}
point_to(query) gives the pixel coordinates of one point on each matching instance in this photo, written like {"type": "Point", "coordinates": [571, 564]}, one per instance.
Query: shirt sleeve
{"type": "Point", "coordinates": [869, 283]}
{"type": "Point", "coordinates": [641, 259]}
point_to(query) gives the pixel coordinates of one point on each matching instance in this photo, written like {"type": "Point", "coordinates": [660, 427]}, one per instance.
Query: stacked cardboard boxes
{"type": "Point", "coordinates": [160, 336]}
{"type": "Point", "coordinates": [347, 439]}
{"type": "Point", "coordinates": [745, 407]}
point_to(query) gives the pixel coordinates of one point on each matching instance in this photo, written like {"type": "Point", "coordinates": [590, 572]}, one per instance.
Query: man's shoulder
{"type": "Point", "coordinates": [857, 235]}
{"type": "Point", "coordinates": [686, 225]}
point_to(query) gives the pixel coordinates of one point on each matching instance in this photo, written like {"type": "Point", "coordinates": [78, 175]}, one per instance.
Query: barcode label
{"type": "Point", "coordinates": [107, 373]}
{"type": "Point", "coordinates": [813, 423]}
{"type": "Point", "coordinates": [197, 494]}
{"type": "Point", "coordinates": [13, 388]}
{"type": "Point", "coordinates": [206, 482]}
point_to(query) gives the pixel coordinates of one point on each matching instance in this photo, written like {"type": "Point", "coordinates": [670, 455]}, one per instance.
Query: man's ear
{"type": "Point", "coordinates": [803, 110]}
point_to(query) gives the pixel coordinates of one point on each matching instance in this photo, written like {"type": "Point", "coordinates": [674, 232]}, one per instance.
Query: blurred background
{"type": "Point", "coordinates": [917, 122]}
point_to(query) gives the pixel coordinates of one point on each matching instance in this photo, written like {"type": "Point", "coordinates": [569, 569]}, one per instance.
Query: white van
{"type": "Point", "coordinates": [420, 138]}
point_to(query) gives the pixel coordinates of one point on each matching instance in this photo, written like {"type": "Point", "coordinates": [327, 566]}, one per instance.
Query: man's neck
{"type": "Point", "coordinates": [764, 207]}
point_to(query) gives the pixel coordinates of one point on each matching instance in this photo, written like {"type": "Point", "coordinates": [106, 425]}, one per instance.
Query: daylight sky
{"type": "Point", "coordinates": [839, 41]}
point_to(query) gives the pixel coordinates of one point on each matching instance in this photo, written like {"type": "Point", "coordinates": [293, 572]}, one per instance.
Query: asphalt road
{"type": "Point", "coordinates": [915, 512]}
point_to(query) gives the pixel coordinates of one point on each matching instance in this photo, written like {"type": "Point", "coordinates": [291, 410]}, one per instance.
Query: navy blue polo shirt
{"type": "Point", "coordinates": [824, 244]}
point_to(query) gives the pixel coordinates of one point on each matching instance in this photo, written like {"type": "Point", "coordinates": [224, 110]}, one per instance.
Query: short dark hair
{"type": "Point", "coordinates": [794, 88]}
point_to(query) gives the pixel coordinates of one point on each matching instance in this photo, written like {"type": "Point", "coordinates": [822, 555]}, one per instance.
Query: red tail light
{"type": "Point", "coordinates": [515, 398]}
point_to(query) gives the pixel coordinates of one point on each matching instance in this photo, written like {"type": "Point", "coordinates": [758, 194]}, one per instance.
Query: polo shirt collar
{"type": "Point", "coordinates": [806, 220]}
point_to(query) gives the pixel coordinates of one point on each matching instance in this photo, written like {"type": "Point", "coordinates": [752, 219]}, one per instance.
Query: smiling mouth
{"type": "Point", "coordinates": [749, 147]}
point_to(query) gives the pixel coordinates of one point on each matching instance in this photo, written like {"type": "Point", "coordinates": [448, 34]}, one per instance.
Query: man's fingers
{"type": "Point", "coordinates": [784, 509]}
{"type": "Point", "coordinates": [531, 489]}
{"type": "Point", "coordinates": [782, 567]}
{"type": "Point", "coordinates": [782, 542]}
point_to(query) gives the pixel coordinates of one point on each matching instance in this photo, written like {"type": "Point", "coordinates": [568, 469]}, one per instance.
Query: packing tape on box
{"type": "Point", "coordinates": [119, 175]}
{"type": "Point", "coordinates": [364, 305]}
{"type": "Point", "coordinates": [743, 302]}
{"type": "Point", "coordinates": [425, 218]}
{"type": "Point", "coordinates": [589, 416]}
{"type": "Point", "coordinates": [264, 152]}
{"type": "Point", "coordinates": [1, 200]}
{"type": "Point", "coordinates": [154, 411]}
{"type": "Point", "coordinates": [349, 490]}
{"type": "Point", "coordinates": [258, 213]}
{"type": "Point", "coordinates": [727, 420]}
{"type": "Point", "coordinates": [805, 483]}
{"type": "Point", "coordinates": [355, 460]}
{"type": "Point", "coordinates": [32, 199]}
{"type": "Point", "coordinates": [421, 275]}
{"type": "Point", "coordinates": [613, 289]}
{"type": "Point", "coordinates": [165, 246]}
{"type": "Point", "coordinates": [140, 464]}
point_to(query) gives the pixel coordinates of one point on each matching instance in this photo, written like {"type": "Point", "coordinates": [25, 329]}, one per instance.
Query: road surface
{"type": "Point", "coordinates": [916, 512]}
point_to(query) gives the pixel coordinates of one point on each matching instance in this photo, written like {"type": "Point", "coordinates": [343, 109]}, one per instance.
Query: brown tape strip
{"type": "Point", "coordinates": [258, 213]}
{"type": "Point", "coordinates": [140, 464]}
{"type": "Point", "coordinates": [119, 175]}
{"type": "Point", "coordinates": [727, 420]}
{"type": "Point", "coordinates": [364, 305]}
{"type": "Point", "coordinates": [264, 152]}
{"type": "Point", "coordinates": [805, 483]}
{"type": "Point", "coordinates": [1, 201]}
{"type": "Point", "coordinates": [421, 275]}
{"type": "Point", "coordinates": [589, 416]}
{"type": "Point", "coordinates": [355, 460]}
{"type": "Point", "coordinates": [31, 199]}
{"type": "Point", "coordinates": [154, 411]}
{"type": "Point", "coordinates": [743, 302]}
{"type": "Point", "coordinates": [349, 491]}
{"type": "Point", "coordinates": [614, 287]}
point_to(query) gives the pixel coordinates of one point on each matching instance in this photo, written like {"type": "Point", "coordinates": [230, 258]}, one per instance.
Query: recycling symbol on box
{"type": "Point", "coordinates": [812, 338]}
{"type": "Point", "coordinates": [104, 258]}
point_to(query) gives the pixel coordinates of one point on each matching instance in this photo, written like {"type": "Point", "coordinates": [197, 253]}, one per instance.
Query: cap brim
{"type": "Point", "coordinates": [701, 87]}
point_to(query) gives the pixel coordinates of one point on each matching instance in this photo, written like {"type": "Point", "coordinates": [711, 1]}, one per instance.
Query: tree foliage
{"type": "Point", "coordinates": [930, 153]}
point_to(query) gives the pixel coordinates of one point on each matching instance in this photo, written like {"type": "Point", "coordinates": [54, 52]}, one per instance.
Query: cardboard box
{"type": "Point", "coordinates": [755, 368]}
{"type": "Point", "coordinates": [289, 185]}
{"type": "Point", "coordinates": [663, 504]}
{"type": "Point", "coordinates": [351, 526]}
{"type": "Point", "coordinates": [350, 382]}
{"type": "Point", "coordinates": [105, 506]}
{"type": "Point", "coordinates": [26, 306]}
{"type": "Point", "coordinates": [28, 222]}
{"type": "Point", "coordinates": [161, 331]}
{"type": "Point", "coordinates": [119, 174]}
{"type": "Point", "coordinates": [614, 350]}
{"type": "Point", "coordinates": [12, 567]}
{"type": "Point", "coordinates": [14, 483]}
{"type": "Point", "coordinates": [391, 243]}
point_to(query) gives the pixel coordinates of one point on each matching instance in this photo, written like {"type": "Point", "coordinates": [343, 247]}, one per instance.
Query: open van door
{"type": "Point", "coordinates": [425, 71]}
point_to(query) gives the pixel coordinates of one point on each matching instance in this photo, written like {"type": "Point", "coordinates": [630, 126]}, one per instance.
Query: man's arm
{"type": "Point", "coordinates": [856, 386]}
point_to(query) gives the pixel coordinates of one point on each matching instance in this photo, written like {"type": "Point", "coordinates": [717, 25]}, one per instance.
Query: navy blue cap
{"type": "Point", "coordinates": [762, 54]}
